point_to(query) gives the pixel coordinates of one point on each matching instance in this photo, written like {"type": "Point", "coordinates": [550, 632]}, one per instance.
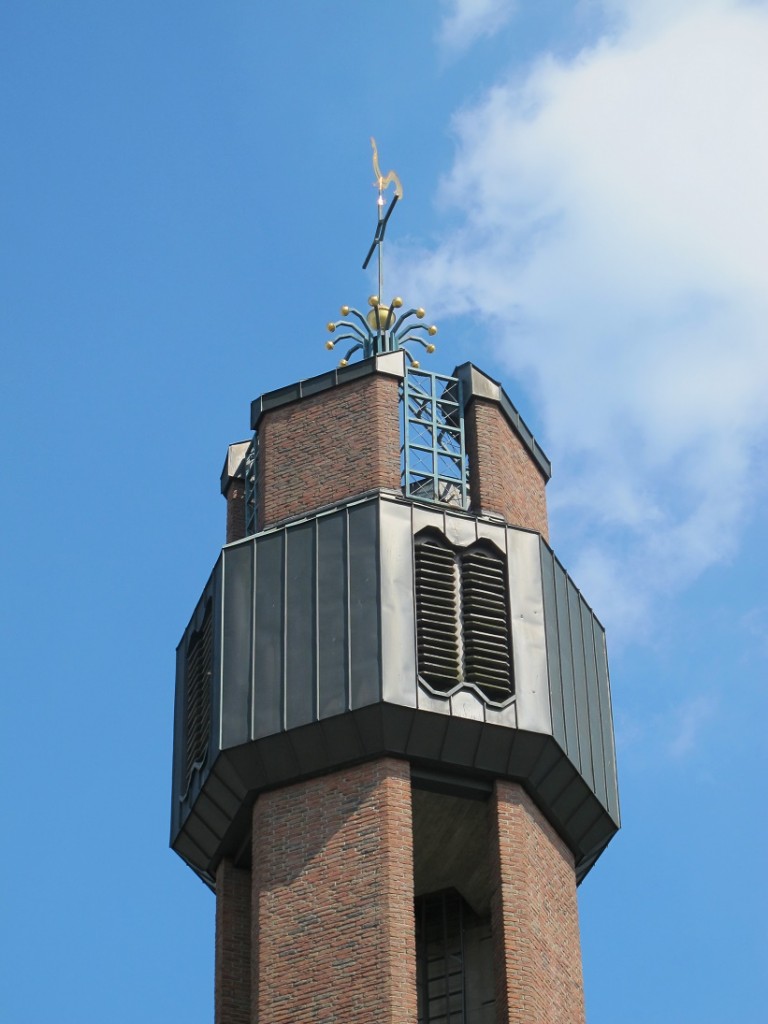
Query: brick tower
{"type": "Point", "coordinates": [393, 749]}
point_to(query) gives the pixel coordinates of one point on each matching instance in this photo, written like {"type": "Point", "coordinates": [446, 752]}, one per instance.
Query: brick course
{"type": "Point", "coordinates": [328, 447]}
{"type": "Point", "coordinates": [333, 899]}
{"type": "Point", "coordinates": [235, 510]}
{"type": "Point", "coordinates": [537, 953]}
{"type": "Point", "coordinates": [503, 476]}
{"type": "Point", "coordinates": [233, 945]}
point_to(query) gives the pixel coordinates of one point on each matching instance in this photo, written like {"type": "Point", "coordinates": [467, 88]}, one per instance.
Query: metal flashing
{"type": "Point", "coordinates": [391, 364]}
{"type": "Point", "coordinates": [477, 384]}
{"type": "Point", "coordinates": [234, 468]}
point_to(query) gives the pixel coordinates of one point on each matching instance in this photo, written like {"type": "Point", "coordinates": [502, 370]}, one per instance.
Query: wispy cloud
{"type": "Point", "coordinates": [466, 21]}
{"type": "Point", "coordinates": [613, 232]}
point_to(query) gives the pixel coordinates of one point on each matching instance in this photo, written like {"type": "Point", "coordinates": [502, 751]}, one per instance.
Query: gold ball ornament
{"type": "Point", "coordinates": [432, 330]}
{"type": "Point", "coordinates": [342, 362]}
{"type": "Point", "coordinates": [344, 310]}
{"type": "Point", "coordinates": [331, 327]}
{"type": "Point", "coordinates": [329, 346]}
{"type": "Point", "coordinates": [421, 312]}
{"type": "Point", "coordinates": [430, 348]}
{"type": "Point", "coordinates": [397, 302]}
{"type": "Point", "coordinates": [415, 364]}
{"type": "Point", "coordinates": [373, 300]}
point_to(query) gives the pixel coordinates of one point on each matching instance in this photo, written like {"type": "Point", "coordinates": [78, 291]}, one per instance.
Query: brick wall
{"type": "Point", "coordinates": [233, 945]}
{"type": "Point", "coordinates": [328, 447]}
{"type": "Point", "coordinates": [537, 953]}
{"type": "Point", "coordinates": [503, 475]}
{"type": "Point", "coordinates": [333, 899]}
{"type": "Point", "coordinates": [235, 510]}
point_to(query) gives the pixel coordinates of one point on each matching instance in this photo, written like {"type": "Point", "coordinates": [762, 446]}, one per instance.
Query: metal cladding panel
{"type": "Point", "coordinates": [300, 625]}
{"type": "Point", "coordinates": [364, 611]}
{"type": "Point", "coordinates": [237, 631]}
{"type": "Point", "coordinates": [529, 646]}
{"type": "Point", "coordinates": [332, 636]}
{"type": "Point", "coordinates": [606, 722]}
{"type": "Point", "coordinates": [269, 635]}
{"type": "Point", "coordinates": [580, 683]}
{"type": "Point", "coordinates": [398, 638]}
{"type": "Point", "coordinates": [551, 633]}
{"type": "Point", "coordinates": [593, 704]}
{"type": "Point", "coordinates": [564, 651]}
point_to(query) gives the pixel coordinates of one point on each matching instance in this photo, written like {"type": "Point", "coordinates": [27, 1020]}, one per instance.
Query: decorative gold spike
{"type": "Point", "coordinates": [383, 180]}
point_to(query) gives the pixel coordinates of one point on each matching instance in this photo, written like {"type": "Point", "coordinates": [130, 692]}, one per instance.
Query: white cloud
{"type": "Point", "coordinates": [614, 235]}
{"type": "Point", "coordinates": [466, 21]}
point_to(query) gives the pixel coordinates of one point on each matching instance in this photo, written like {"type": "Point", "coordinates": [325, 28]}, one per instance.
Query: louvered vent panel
{"type": "Point", "coordinates": [437, 615]}
{"type": "Point", "coordinates": [197, 704]}
{"type": "Point", "coordinates": [487, 642]}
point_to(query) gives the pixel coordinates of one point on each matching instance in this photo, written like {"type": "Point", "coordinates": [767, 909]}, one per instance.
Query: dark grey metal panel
{"type": "Point", "coordinates": [528, 636]}
{"type": "Point", "coordinates": [580, 683]}
{"type": "Point", "coordinates": [364, 623]}
{"type": "Point", "coordinates": [593, 697]}
{"type": "Point", "coordinates": [237, 630]}
{"type": "Point", "coordinates": [398, 635]}
{"type": "Point", "coordinates": [606, 717]}
{"type": "Point", "coordinates": [566, 665]}
{"type": "Point", "coordinates": [300, 624]}
{"type": "Point", "coordinates": [553, 646]}
{"type": "Point", "coordinates": [332, 597]}
{"type": "Point", "coordinates": [269, 636]}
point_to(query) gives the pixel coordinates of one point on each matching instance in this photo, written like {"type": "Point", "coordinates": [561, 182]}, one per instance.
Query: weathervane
{"type": "Point", "coordinates": [379, 332]}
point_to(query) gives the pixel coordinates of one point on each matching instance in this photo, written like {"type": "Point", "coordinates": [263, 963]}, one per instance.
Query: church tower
{"type": "Point", "coordinates": [393, 743]}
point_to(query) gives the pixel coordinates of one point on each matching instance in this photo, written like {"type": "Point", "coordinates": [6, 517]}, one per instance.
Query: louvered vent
{"type": "Point", "coordinates": [487, 642]}
{"type": "Point", "coordinates": [462, 617]}
{"type": "Point", "coordinates": [437, 614]}
{"type": "Point", "coordinates": [197, 702]}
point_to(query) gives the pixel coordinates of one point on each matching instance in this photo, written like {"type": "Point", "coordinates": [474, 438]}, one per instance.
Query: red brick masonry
{"type": "Point", "coordinates": [333, 899]}
{"type": "Point", "coordinates": [503, 476]}
{"type": "Point", "coordinates": [328, 447]}
{"type": "Point", "coordinates": [233, 945]}
{"type": "Point", "coordinates": [537, 952]}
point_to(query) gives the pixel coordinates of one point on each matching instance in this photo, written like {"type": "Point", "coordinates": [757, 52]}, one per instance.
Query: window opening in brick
{"type": "Point", "coordinates": [462, 616]}
{"type": "Point", "coordinates": [433, 453]}
{"type": "Point", "coordinates": [197, 696]}
{"type": "Point", "coordinates": [251, 480]}
{"type": "Point", "coordinates": [440, 975]}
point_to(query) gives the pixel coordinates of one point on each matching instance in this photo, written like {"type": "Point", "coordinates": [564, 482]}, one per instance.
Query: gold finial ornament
{"type": "Point", "coordinates": [397, 302]}
{"type": "Point", "coordinates": [329, 346]}
{"type": "Point", "coordinates": [430, 348]}
{"type": "Point", "coordinates": [432, 330]}
{"type": "Point", "coordinates": [331, 327]}
{"type": "Point", "coordinates": [342, 362]}
{"type": "Point", "coordinates": [421, 312]}
{"type": "Point", "coordinates": [373, 300]}
{"type": "Point", "coordinates": [345, 311]}
{"type": "Point", "coordinates": [415, 364]}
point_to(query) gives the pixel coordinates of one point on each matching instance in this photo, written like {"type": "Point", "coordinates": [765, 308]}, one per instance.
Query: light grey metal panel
{"type": "Point", "coordinates": [593, 696]}
{"type": "Point", "coordinates": [424, 518]}
{"type": "Point", "coordinates": [606, 716]}
{"type": "Point", "coordinates": [553, 644]}
{"type": "Point", "coordinates": [528, 637]}
{"type": "Point", "coordinates": [332, 598]}
{"type": "Point", "coordinates": [237, 627]}
{"type": "Point", "coordinates": [364, 612]}
{"type": "Point", "coordinates": [580, 684]}
{"type": "Point", "coordinates": [566, 665]}
{"type": "Point", "coordinates": [269, 636]}
{"type": "Point", "coordinates": [429, 702]}
{"type": "Point", "coordinates": [398, 613]}
{"type": "Point", "coordinates": [460, 530]}
{"type": "Point", "coordinates": [494, 532]}
{"type": "Point", "coordinates": [300, 624]}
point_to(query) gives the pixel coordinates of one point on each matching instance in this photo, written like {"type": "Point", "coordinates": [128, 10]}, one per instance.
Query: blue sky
{"type": "Point", "coordinates": [185, 200]}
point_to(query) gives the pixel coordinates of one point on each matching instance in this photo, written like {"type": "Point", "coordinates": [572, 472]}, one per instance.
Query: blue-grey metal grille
{"type": "Point", "coordinates": [434, 462]}
{"type": "Point", "coordinates": [251, 479]}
